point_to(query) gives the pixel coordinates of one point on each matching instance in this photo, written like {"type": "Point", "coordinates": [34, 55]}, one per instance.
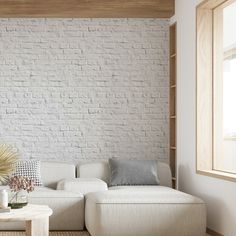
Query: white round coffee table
{"type": "Point", "coordinates": [36, 218]}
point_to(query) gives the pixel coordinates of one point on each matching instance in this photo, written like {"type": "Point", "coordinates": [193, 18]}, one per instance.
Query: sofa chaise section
{"type": "Point", "coordinates": [141, 210]}
{"type": "Point", "coordinates": [154, 211]}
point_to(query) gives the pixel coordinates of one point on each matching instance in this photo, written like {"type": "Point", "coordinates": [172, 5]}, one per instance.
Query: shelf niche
{"type": "Point", "coordinates": [172, 104]}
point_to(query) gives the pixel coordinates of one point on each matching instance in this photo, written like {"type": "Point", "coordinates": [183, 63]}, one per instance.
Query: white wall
{"type": "Point", "coordinates": [84, 89]}
{"type": "Point", "coordinates": [219, 195]}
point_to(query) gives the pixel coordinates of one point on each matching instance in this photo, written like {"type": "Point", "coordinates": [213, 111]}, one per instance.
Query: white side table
{"type": "Point", "coordinates": [36, 218]}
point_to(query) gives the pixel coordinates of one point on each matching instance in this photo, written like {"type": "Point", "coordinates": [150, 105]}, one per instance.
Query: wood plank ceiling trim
{"type": "Point", "coordinates": [86, 8]}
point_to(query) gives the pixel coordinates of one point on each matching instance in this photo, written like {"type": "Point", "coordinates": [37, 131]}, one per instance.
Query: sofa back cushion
{"type": "Point", "coordinates": [52, 172]}
{"type": "Point", "coordinates": [101, 171]}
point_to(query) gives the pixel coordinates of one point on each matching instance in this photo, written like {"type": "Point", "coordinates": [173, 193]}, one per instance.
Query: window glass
{"type": "Point", "coordinates": [225, 89]}
{"type": "Point", "coordinates": [229, 99]}
{"type": "Point", "coordinates": [229, 72]}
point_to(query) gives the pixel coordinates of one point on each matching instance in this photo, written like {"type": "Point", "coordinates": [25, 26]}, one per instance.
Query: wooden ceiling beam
{"type": "Point", "coordinates": [86, 8]}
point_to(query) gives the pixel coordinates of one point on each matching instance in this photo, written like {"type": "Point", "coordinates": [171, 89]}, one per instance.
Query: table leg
{"type": "Point", "coordinates": [37, 227]}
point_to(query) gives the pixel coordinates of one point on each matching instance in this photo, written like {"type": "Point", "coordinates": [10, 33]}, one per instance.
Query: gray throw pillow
{"type": "Point", "coordinates": [133, 172]}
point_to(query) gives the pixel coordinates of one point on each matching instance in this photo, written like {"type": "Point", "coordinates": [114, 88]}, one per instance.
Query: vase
{"type": "Point", "coordinates": [18, 200]}
{"type": "Point", "coordinates": [3, 198]}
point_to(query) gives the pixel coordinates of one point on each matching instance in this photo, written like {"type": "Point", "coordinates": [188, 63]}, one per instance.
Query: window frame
{"type": "Point", "coordinates": [206, 70]}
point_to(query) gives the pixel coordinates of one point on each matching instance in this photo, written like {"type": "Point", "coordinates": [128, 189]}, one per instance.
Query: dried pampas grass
{"type": "Point", "coordinates": [8, 159]}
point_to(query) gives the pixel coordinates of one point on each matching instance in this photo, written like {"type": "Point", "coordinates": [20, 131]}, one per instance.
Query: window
{"type": "Point", "coordinates": [216, 88]}
{"type": "Point", "coordinates": [229, 71]}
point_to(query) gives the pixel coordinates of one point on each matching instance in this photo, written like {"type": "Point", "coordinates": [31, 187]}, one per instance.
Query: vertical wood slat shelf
{"type": "Point", "coordinates": [172, 104]}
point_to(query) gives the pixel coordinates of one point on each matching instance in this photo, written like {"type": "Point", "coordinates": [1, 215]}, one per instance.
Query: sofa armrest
{"type": "Point", "coordinates": [82, 185]}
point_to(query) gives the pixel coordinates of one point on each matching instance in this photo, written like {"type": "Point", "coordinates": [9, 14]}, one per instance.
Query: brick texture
{"type": "Point", "coordinates": [84, 89]}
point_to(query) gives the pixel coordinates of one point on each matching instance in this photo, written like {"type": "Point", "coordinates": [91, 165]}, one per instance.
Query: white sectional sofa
{"type": "Point", "coordinates": [124, 210]}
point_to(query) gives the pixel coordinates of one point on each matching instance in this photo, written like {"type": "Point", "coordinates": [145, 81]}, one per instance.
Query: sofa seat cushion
{"type": "Point", "coordinates": [146, 210]}
{"type": "Point", "coordinates": [43, 189]}
{"type": "Point", "coordinates": [64, 204]}
{"type": "Point", "coordinates": [143, 194]}
{"type": "Point", "coordinates": [45, 192]}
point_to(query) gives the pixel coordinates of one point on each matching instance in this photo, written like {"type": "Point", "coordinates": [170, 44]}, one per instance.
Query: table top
{"type": "Point", "coordinates": [29, 212]}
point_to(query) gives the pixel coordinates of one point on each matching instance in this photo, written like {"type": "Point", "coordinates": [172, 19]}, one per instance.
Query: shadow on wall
{"type": "Point", "coordinates": [184, 173]}
{"type": "Point", "coordinates": [217, 210]}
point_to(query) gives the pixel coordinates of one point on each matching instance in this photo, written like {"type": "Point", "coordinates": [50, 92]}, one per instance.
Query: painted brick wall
{"type": "Point", "coordinates": [84, 89]}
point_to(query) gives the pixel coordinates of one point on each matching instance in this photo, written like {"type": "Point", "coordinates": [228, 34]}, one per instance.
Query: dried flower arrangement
{"type": "Point", "coordinates": [8, 159]}
{"type": "Point", "coordinates": [17, 184]}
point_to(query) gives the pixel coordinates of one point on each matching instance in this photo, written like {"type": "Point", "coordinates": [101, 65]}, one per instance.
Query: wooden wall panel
{"type": "Point", "coordinates": [87, 8]}
{"type": "Point", "coordinates": [204, 89]}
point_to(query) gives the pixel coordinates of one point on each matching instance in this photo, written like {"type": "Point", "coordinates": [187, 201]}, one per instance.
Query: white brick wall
{"type": "Point", "coordinates": [84, 89]}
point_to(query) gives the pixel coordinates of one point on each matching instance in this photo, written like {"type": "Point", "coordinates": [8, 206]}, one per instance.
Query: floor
{"type": "Point", "coordinates": [73, 233]}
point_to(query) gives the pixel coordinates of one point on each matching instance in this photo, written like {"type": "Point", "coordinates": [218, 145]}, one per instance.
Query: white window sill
{"type": "Point", "coordinates": [230, 138]}
{"type": "Point", "coordinates": [218, 174]}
